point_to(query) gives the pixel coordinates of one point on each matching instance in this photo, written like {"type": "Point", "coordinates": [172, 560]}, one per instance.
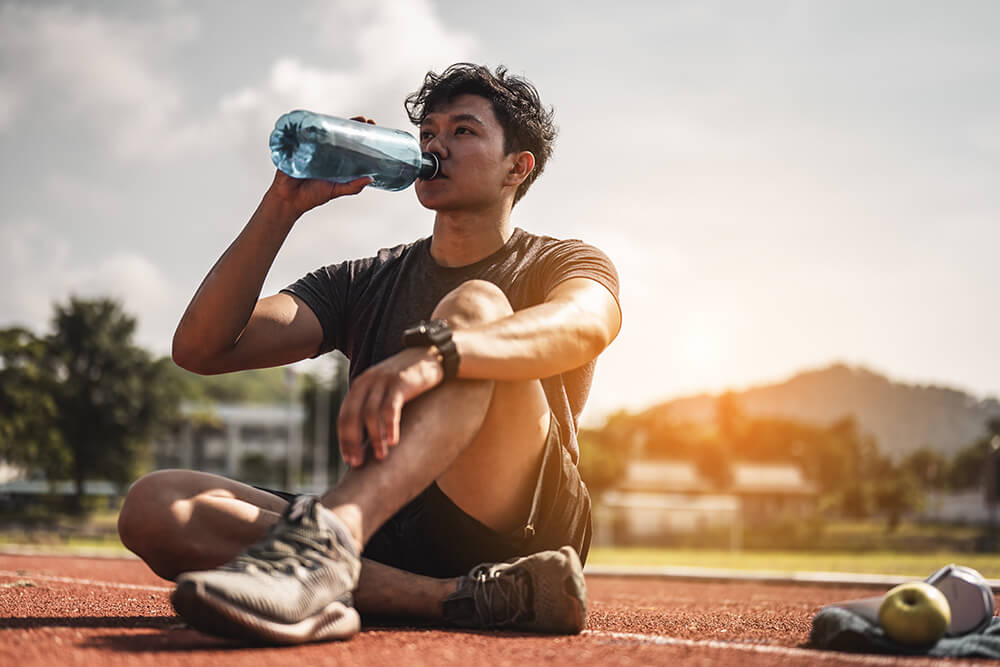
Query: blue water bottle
{"type": "Point", "coordinates": [311, 145]}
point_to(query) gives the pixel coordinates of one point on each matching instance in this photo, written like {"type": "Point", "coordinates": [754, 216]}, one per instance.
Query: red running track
{"type": "Point", "coordinates": [104, 612]}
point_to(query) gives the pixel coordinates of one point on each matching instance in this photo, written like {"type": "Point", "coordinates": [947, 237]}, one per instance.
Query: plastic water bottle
{"type": "Point", "coordinates": [311, 145]}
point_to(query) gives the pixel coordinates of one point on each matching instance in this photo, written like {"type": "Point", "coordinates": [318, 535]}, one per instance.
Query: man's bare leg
{"type": "Point", "coordinates": [182, 520]}
{"type": "Point", "coordinates": [481, 441]}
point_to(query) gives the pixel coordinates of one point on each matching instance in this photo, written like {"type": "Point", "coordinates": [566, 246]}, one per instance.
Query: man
{"type": "Point", "coordinates": [471, 355]}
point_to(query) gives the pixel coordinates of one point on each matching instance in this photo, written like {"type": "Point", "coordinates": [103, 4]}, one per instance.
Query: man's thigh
{"type": "Point", "coordinates": [493, 479]}
{"type": "Point", "coordinates": [434, 537]}
{"type": "Point", "coordinates": [181, 520]}
{"type": "Point", "coordinates": [167, 486]}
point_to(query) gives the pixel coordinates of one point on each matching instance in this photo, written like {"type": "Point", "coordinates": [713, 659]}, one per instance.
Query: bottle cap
{"type": "Point", "coordinates": [430, 165]}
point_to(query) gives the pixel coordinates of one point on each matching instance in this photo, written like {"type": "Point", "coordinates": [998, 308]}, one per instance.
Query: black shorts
{"type": "Point", "coordinates": [434, 537]}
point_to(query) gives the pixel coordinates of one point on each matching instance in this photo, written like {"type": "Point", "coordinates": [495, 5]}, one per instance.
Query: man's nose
{"type": "Point", "coordinates": [437, 146]}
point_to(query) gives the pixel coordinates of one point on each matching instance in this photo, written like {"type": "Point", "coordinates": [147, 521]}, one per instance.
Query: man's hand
{"type": "Point", "coordinates": [374, 403]}
{"type": "Point", "coordinates": [303, 194]}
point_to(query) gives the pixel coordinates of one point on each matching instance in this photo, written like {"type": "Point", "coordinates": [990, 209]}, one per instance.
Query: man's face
{"type": "Point", "coordinates": [469, 140]}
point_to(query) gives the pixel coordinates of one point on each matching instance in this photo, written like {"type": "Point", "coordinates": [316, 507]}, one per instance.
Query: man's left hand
{"type": "Point", "coordinates": [374, 403]}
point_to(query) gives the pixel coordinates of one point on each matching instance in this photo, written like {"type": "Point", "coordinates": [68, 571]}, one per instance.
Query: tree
{"type": "Point", "coordinates": [928, 467]}
{"type": "Point", "coordinates": [713, 460]}
{"type": "Point", "coordinates": [602, 463]}
{"type": "Point", "coordinates": [968, 464]}
{"type": "Point", "coordinates": [331, 393]}
{"type": "Point", "coordinates": [100, 397]}
{"type": "Point", "coordinates": [262, 385]}
{"type": "Point", "coordinates": [729, 417]}
{"type": "Point", "coordinates": [898, 494]}
{"type": "Point", "coordinates": [28, 435]}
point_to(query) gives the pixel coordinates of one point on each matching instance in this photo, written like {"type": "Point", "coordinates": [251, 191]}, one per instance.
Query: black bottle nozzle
{"type": "Point", "coordinates": [430, 165]}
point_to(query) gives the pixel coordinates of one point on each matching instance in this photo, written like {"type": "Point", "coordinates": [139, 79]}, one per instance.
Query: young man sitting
{"type": "Point", "coordinates": [472, 353]}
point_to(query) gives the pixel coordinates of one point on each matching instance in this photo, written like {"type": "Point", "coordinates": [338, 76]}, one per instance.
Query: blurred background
{"type": "Point", "coordinates": [800, 197]}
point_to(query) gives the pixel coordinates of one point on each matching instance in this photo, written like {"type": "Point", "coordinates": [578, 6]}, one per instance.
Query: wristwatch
{"type": "Point", "coordinates": [438, 334]}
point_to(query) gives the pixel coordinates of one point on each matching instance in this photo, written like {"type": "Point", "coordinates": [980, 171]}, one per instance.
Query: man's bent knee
{"type": "Point", "coordinates": [473, 302]}
{"type": "Point", "coordinates": [146, 521]}
{"type": "Point", "coordinates": [142, 506]}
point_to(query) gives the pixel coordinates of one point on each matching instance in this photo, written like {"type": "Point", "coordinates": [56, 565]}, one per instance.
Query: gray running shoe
{"type": "Point", "coordinates": [544, 592]}
{"type": "Point", "coordinates": [293, 586]}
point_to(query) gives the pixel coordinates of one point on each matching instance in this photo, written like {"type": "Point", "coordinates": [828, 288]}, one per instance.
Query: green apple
{"type": "Point", "coordinates": [914, 613]}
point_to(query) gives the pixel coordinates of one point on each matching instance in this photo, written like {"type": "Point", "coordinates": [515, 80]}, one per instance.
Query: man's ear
{"type": "Point", "coordinates": [522, 165]}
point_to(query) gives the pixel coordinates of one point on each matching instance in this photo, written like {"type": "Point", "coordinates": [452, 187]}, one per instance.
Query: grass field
{"type": "Point", "coordinates": [874, 562]}
{"type": "Point", "coordinates": [850, 546]}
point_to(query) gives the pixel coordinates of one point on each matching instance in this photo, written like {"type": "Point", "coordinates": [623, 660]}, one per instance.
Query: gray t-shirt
{"type": "Point", "coordinates": [364, 305]}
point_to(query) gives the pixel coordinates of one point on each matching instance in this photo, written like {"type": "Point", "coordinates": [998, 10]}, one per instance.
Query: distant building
{"type": "Point", "coordinates": [669, 501]}
{"type": "Point", "coordinates": [769, 490]}
{"type": "Point", "coordinates": [249, 442]}
{"type": "Point", "coordinates": [969, 507]}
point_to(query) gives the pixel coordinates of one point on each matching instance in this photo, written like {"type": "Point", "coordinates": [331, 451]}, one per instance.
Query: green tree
{"type": "Point", "coordinates": [602, 463]}
{"type": "Point", "coordinates": [263, 385]}
{"type": "Point", "coordinates": [928, 467]}
{"type": "Point", "coordinates": [333, 392]}
{"type": "Point", "coordinates": [898, 494]}
{"type": "Point", "coordinates": [111, 396]}
{"type": "Point", "coordinates": [966, 471]}
{"type": "Point", "coordinates": [100, 398]}
{"type": "Point", "coordinates": [28, 435]}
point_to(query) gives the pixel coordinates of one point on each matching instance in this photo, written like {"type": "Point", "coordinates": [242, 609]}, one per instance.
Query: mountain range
{"type": "Point", "coordinates": [902, 417]}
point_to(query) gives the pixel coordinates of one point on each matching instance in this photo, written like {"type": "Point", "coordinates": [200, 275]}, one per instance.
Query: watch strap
{"type": "Point", "coordinates": [449, 357]}
{"type": "Point", "coordinates": [438, 334]}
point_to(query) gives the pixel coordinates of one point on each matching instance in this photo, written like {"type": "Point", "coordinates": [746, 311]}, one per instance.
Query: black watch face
{"type": "Point", "coordinates": [434, 332]}
{"type": "Point", "coordinates": [436, 329]}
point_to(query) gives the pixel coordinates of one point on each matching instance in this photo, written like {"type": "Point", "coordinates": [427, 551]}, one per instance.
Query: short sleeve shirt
{"type": "Point", "coordinates": [365, 305]}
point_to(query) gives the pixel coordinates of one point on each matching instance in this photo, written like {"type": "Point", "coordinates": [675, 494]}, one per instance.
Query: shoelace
{"type": "Point", "coordinates": [282, 551]}
{"type": "Point", "coordinates": [501, 597]}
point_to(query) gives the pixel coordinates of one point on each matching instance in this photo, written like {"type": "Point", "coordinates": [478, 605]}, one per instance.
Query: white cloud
{"type": "Point", "coordinates": [30, 265]}
{"type": "Point", "coordinates": [112, 75]}
{"type": "Point", "coordinates": [385, 46]}
{"type": "Point", "coordinates": [9, 102]}
{"type": "Point", "coordinates": [405, 38]}
{"type": "Point", "coordinates": [39, 269]}
{"type": "Point", "coordinates": [100, 69]}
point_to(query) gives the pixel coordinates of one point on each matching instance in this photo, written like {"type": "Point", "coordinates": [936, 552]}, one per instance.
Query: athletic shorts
{"type": "Point", "coordinates": [434, 537]}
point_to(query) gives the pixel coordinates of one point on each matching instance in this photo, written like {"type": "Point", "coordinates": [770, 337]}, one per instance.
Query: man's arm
{"type": "Point", "coordinates": [577, 320]}
{"type": "Point", "coordinates": [227, 327]}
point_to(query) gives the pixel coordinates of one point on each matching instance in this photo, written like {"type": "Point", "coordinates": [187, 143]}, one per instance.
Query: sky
{"type": "Point", "coordinates": [782, 185]}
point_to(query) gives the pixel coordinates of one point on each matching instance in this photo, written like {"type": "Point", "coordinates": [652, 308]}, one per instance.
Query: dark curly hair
{"type": "Point", "coordinates": [526, 123]}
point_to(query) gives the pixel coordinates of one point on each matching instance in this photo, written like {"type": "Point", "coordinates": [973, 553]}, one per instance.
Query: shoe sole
{"type": "Point", "coordinates": [215, 616]}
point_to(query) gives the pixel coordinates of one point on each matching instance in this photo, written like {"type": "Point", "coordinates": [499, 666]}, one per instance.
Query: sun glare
{"type": "Point", "coordinates": [702, 349]}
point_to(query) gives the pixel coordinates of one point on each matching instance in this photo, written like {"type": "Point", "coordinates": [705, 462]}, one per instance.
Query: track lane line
{"type": "Point", "coordinates": [736, 645]}
{"type": "Point", "coordinates": [25, 574]}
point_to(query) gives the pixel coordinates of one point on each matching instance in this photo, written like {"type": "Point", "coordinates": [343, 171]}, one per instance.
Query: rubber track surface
{"type": "Point", "coordinates": [58, 611]}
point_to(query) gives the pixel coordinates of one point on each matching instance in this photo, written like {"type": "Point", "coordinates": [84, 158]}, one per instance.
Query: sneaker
{"type": "Point", "coordinates": [544, 592]}
{"type": "Point", "coordinates": [293, 586]}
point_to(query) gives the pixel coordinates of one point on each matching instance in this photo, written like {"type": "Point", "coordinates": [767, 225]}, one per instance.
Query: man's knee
{"type": "Point", "coordinates": [146, 518]}
{"type": "Point", "coordinates": [473, 302]}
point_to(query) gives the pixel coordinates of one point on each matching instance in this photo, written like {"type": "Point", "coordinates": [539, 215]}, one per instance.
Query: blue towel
{"type": "Point", "coordinates": [837, 629]}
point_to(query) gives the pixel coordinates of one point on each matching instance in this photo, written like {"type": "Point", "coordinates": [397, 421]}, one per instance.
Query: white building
{"type": "Point", "coordinates": [968, 507]}
{"type": "Point", "coordinates": [661, 500]}
{"type": "Point", "coordinates": [255, 443]}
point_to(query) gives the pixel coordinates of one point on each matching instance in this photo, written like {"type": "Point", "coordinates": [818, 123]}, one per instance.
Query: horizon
{"type": "Point", "coordinates": [987, 399]}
